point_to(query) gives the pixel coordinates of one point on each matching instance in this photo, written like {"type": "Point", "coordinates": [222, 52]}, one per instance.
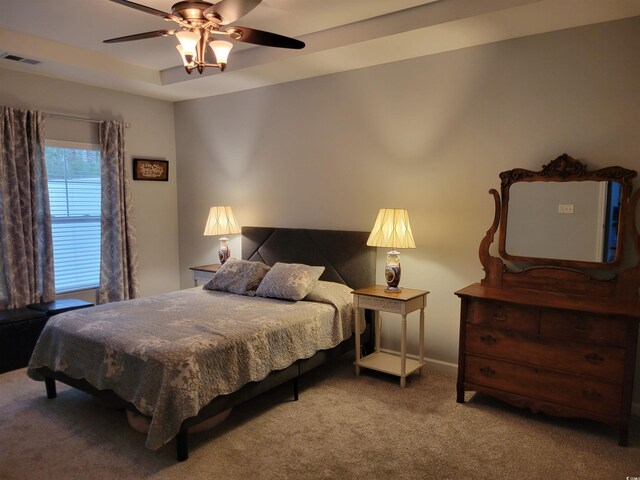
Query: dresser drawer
{"type": "Point", "coordinates": [583, 326]}
{"type": "Point", "coordinates": [603, 362]}
{"type": "Point", "coordinates": [503, 315]}
{"type": "Point", "coordinates": [591, 395]}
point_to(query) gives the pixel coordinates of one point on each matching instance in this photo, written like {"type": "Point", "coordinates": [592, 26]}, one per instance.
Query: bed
{"type": "Point", "coordinates": [183, 357]}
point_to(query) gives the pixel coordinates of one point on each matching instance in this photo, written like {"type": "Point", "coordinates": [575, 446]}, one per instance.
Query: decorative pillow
{"type": "Point", "coordinates": [290, 281]}
{"type": "Point", "coordinates": [238, 276]}
{"type": "Point", "coordinates": [325, 292]}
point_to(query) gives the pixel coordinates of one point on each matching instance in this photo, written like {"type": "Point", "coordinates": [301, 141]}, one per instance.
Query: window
{"type": "Point", "coordinates": [73, 174]}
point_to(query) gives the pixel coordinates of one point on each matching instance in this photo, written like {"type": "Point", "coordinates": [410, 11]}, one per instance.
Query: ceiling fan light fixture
{"type": "Point", "coordinates": [221, 49]}
{"type": "Point", "coordinates": [188, 41]}
{"type": "Point", "coordinates": [187, 60]}
{"type": "Point", "coordinates": [198, 22]}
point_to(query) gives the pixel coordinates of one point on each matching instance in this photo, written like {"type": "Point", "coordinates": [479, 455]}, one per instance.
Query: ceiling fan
{"type": "Point", "coordinates": [200, 24]}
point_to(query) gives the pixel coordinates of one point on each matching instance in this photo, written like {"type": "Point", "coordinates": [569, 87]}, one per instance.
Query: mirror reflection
{"type": "Point", "coordinates": [564, 220]}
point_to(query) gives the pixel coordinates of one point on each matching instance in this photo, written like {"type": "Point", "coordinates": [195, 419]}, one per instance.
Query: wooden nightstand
{"type": "Point", "coordinates": [403, 303]}
{"type": "Point", "coordinates": [204, 273]}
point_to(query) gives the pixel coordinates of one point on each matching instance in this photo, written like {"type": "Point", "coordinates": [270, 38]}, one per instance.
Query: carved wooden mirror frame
{"type": "Point", "coordinates": [570, 276]}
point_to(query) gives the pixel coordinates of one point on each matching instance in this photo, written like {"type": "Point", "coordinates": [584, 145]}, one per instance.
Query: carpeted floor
{"type": "Point", "coordinates": [342, 427]}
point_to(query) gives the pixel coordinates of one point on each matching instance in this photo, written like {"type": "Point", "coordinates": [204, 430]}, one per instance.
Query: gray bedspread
{"type": "Point", "coordinates": [171, 354]}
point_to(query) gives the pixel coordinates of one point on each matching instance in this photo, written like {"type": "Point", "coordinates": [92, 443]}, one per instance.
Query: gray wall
{"type": "Point", "coordinates": [151, 134]}
{"type": "Point", "coordinates": [429, 134]}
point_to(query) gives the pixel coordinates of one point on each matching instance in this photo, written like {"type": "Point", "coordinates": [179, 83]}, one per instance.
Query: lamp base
{"type": "Point", "coordinates": [392, 272]}
{"type": "Point", "coordinates": [224, 251]}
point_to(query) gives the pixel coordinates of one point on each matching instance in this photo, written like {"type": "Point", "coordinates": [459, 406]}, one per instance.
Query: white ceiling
{"type": "Point", "coordinates": [66, 36]}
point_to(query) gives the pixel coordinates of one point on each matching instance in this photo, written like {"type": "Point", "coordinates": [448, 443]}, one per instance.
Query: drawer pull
{"type": "Point", "coordinates": [488, 372]}
{"type": "Point", "coordinates": [594, 358]}
{"type": "Point", "coordinates": [591, 394]}
{"type": "Point", "coordinates": [499, 316]}
{"type": "Point", "coordinates": [488, 339]}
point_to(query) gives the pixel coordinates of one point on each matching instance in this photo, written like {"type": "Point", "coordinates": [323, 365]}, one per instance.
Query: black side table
{"type": "Point", "coordinates": [20, 329]}
{"type": "Point", "coordinates": [59, 306]}
{"type": "Point", "coordinates": [19, 332]}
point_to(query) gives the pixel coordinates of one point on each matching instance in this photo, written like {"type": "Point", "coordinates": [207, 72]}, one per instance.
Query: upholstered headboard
{"type": "Point", "coordinates": [345, 255]}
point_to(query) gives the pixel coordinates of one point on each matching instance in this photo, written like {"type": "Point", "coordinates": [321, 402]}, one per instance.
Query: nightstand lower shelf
{"type": "Point", "coordinates": [389, 363]}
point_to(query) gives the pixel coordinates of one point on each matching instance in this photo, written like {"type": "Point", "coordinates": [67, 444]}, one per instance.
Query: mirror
{"type": "Point", "coordinates": [564, 215]}
{"type": "Point", "coordinates": [564, 220]}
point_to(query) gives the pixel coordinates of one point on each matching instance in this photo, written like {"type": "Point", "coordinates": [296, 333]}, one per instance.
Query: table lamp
{"type": "Point", "coordinates": [392, 230]}
{"type": "Point", "coordinates": [221, 221]}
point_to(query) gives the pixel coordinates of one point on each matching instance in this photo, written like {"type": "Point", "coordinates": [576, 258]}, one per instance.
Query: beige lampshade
{"type": "Point", "coordinates": [221, 221]}
{"type": "Point", "coordinates": [392, 229]}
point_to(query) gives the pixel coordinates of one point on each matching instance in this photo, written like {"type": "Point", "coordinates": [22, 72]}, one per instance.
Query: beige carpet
{"type": "Point", "coordinates": [342, 427]}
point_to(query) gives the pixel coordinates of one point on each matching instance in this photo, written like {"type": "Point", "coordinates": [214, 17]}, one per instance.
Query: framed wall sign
{"type": "Point", "coordinates": [147, 169]}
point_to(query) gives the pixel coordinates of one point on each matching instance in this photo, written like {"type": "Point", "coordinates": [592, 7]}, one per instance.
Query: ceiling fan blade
{"type": "Point", "coordinates": [229, 11]}
{"type": "Point", "coordinates": [140, 36]}
{"type": "Point", "coordinates": [144, 8]}
{"type": "Point", "coordinates": [260, 37]}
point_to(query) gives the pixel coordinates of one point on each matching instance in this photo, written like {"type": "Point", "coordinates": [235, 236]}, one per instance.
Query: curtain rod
{"type": "Point", "coordinates": [79, 119]}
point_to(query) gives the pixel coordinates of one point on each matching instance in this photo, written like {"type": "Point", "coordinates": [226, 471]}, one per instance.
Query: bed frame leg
{"type": "Point", "coordinates": [50, 385]}
{"type": "Point", "coordinates": [295, 389]}
{"type": "Point", "coordinates": [182, 445]}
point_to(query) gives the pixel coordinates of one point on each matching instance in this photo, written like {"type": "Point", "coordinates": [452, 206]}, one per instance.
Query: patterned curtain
{"type": "Point", "coordinates": [26, 243]}
{"type": "Point", "coordinates": [118, 253]}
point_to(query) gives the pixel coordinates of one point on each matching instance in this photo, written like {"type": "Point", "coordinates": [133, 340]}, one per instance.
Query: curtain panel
{"type": "Point", "coordinates": [118, 252]}
{"type": "Point", "coordinates": [26, 244]}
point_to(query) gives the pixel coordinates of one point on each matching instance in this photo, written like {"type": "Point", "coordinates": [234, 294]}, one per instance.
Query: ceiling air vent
{"type": "Point", "coordinates": [15, 58]}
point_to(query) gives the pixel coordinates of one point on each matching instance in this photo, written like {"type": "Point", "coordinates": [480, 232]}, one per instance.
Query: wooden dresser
{"type": "Point", "coordinates": [550, 336]}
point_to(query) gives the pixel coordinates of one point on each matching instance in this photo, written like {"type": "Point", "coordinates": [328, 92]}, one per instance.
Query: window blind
{"type": "Point", "coordinates": [73, 172]}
